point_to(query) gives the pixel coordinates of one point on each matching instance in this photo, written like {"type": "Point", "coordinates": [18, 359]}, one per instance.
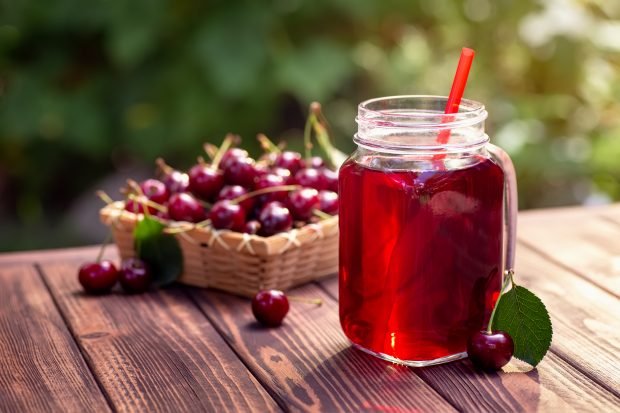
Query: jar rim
{"type": "Point", "coordinates": [470, 112]}
{"type": "Point", "coordinates": [389, 123]}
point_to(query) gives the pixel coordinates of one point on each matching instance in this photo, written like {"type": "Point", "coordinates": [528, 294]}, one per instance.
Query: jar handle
{"type": "Point", "coordinates": [510, 204]}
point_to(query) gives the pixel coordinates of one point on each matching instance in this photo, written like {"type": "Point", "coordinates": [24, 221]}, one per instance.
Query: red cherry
{"type": "Point", "coordinates": [490, 351]}
{"type": "Point", "coordinates": [155, 190]}
{"type": "Point", "coordinates": [226, 215]}
{"type": "Point", "coordinates": [176, 181]}
{"type": "Point", "coordinates": [330, 178]}
{"type": "Point", "coordinates": [252, 227]}
{"type": "Point", "coordinates": [311, 178]}
{"type": "Point", "coordinates": [274, 218]}
{"type": "Point", "coordinates": [315, 162]}
{"type": "Point", "coordinates": [269, 181]}
{"type": "Point", "coordinates": [98, 277]}
{"type": "Point", "coordinates": [302, 203]}
{"type": "Point", "coordinates": [184, 207]}
{"type": "Point", "coordinates": [284, 173]}
{"type": "Point", "coordinates": [134, 276]}
{"type": "Point", "coordinates": [240, 171]}
{"type": "Point", "coordinates": [328, 202]}
{"type": "Point", "coordinates": [270, 307]}
{"type": "Point", "coordinates": [289, 160]}
{"type": "Point", "coordinates": [230, 154]}
{"type": "Point", "coordinates": [231, 192]}
{"type": "Point", "coordinates": [205, 182]}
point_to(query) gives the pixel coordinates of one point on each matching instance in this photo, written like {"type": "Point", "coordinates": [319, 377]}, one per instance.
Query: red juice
{"type": "Point", "coordinates": [420, 256]}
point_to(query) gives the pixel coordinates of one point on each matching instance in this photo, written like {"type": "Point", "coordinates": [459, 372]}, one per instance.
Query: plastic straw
{"type": "Point", "coordinates": [458, 87]}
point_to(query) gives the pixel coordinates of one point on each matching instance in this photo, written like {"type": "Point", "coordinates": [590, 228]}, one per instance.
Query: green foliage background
{"type": "Point", "coordinates": [89, 87]}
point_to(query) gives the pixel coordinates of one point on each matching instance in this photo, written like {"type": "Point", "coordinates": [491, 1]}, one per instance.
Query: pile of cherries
{"type": "Point", "coordinates": [278, 192]}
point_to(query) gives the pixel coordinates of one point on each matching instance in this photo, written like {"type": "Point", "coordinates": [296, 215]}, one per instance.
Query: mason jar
{"type": "Point", "coordinates": [424, 203]}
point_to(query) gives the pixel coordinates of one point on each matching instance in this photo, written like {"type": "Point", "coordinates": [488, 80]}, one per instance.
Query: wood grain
{"type": "Point", "coordinates": [578, 240]}
{"type": "Point", "coordinates": [555, 385]}
{"type": "Point", "coordinates": [586, 319]}
{"type": "Point", "coordinates": [309, 364]}
{"type": "Point", "coordinates": [41, 366]}
{"type": "Point", "coordinates": [156, 351]}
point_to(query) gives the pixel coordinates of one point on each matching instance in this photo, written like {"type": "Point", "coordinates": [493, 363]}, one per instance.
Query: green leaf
{"type": "Point", "coordinates": [161, 251]}
{"type": "Point", "coordinates": [522, 315]}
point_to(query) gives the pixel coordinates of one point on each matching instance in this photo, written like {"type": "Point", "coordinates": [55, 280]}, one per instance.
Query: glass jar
{"type": "Point", "coordinates": [423, 205]}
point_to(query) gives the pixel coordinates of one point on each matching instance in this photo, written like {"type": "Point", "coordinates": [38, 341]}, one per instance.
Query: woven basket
{"type": "Point", "coordinates": [238, 263]}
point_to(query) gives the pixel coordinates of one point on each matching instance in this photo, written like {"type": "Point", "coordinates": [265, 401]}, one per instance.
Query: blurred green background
{"type": "Point", "coordinates": [91, 92]}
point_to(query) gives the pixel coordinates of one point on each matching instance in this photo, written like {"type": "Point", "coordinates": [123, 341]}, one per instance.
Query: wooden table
{"type": "Point", "coordinates": [186, 349]}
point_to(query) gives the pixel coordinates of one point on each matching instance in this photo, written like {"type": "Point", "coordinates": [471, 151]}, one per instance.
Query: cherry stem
{"type": "Point", "coordinates": [133, 185]}
{"type": "Point", "coordinates": [507, 280]}
{"type": "Point", "coordinates": [308, 135]}
{"type": "Point", "coordinates": [266, 143]}
{"type": "Point", "coordinates": [279, 188]}
{"type": "Point", "coordinates": [210, 149]}
{"type": "Point", "coordinates": [226, 143]}
{"type": "Point", "coordinates": [321, 214]}
{"type": "Point", "coordinates": [163, 166]}
{"type": "Point", "coordinates": [143, 200]}
{"type": "Point", "coordinates": [104, 197]}
{"type": "Point", "coordinates": [105, 243]}
{"type": "Point", "coordinates": [315, 301]}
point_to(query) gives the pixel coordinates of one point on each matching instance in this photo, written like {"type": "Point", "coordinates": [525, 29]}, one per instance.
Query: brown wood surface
{"type": "Point", "coordinates": [553, 386]}
{"type": "Point", "coordinates": [308, 361]}
{"type": "Point", "coordinates": [186, 349]}
{"type": "Point", "coordinates": [580, 240]}
{"type": "Point", "coordinates": [41, 368]}
{"type": "Point", "coordinates": [155, 352]}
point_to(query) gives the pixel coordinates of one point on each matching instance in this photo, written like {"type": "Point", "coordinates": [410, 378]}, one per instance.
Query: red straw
{"type": "Point", "coordinates": [458, 87]}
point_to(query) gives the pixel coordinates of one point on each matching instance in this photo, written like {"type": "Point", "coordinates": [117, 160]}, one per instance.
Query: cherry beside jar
{"type": "Point", "coordinates": [421, 229]}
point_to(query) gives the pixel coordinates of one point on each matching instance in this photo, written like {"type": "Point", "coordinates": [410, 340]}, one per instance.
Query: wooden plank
{"type": "Point", "coordinates": [578, 240]}
{"type": "Point", "coordinates": [156, 351]}
{"type": "Point", "coordinates": [62, 254]}
{"type": "Point", "coordinates": [556, 385]}
{"type": "Point", "coordinates": [42, 368]}
{"type": "Point", "coordinates": [309, 364]}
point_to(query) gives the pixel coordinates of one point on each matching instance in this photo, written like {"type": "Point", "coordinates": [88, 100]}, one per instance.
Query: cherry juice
{"type": "Point", "coordinates": [420, 256]}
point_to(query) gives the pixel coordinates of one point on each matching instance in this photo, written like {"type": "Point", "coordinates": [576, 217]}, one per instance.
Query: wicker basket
{"type": "Point", "coordinates": [241, 263]}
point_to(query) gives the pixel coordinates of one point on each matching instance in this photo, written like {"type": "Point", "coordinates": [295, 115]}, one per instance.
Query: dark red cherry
{"type": "Point", "coordinates": [134, 276]}
{"type": "Point", "coordinates": [252, 227]}
{"type": "Point", "coordinates": [98, 277]}
{"type": "Point", "coordinates": [176, 181]}
{"type": "Point", "coordinates": [289, 160]}
{"type": "Point", "coordinates": [226, 215]}
{"type": "Point", "coordinates": [330, 178]}
{"type": "Point", "coordinates": [155, 190]}
{"type": "Point", "coordinates": [270, 307]}
{"type": "Point", "coordinates": [284, 173]}
{"type": "Point", "coordinates": [311, 178]}
{"type": "Point", "coordinates": [274, 218]}
{"type": "Point", "coordinates": [269, 181]}
{"type": "Point", "coordinates": [184, 207]}
{"type": "Point", "coordinates": [205, 182]}
{"type": "Point", "coordinates": [328, 201]}
{"type": "Point", "coordinates": [231, 192]}
{"type": "Point", "coordinates": [302, 203]}
{"type": "Point", "coordinates": [490, 351]}
{"type": "Point", "coordinates": [315, 162]}
{"type": "Point", "coordinates": [230, 154]}
{"type": "Point", "coordinates": [240, 171]}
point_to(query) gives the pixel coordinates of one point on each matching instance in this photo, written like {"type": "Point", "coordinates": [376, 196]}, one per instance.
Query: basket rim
{"type": "Point", "coordinates": [115, 213]}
